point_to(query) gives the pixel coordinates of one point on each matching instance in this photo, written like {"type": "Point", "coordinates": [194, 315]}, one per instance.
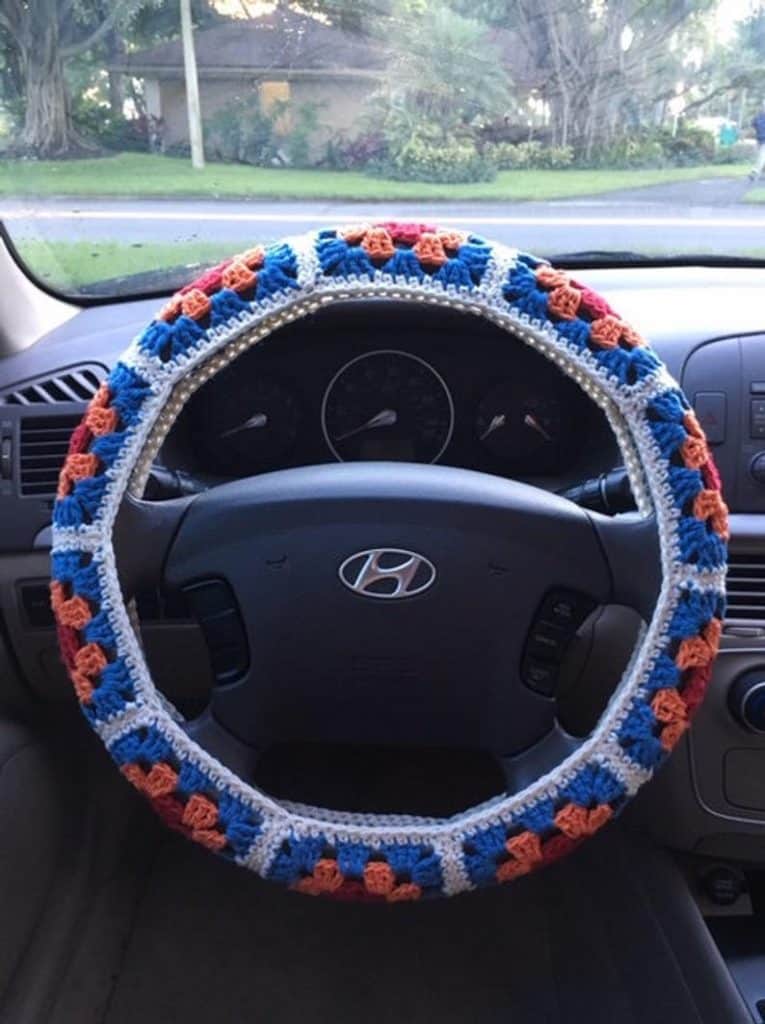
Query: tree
{"type": "Point", "coordinates": [445, 70]}
{"type": "Point", "coordinates": [44, 35]}
{"type": "Point", "coordinates": [597, 64]}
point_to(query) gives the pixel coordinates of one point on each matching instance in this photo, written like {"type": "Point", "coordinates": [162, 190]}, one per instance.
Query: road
{"type": "Point", "coordinates": [703, 216]}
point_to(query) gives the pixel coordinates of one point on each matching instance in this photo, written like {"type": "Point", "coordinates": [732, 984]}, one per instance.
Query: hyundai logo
{"type": "Point", "coordinates": [387, 573]}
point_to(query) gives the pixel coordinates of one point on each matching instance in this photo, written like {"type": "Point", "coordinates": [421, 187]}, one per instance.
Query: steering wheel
{"type": "Point", "coordinates": [488, 570]}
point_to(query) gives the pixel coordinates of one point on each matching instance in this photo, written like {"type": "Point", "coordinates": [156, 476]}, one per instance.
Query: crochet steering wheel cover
{"type": "Point", "coordinates": [384, 857]}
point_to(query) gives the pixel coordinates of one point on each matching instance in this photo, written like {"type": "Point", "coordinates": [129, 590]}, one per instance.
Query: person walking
{"type": "Point", "coordinates": [759, 133]}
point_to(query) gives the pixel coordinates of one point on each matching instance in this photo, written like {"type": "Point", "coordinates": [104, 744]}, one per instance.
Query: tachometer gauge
{"type": "Point", "coordinates": [249, 426]}
{"type": "Point", "coordinates": [387, 405]}
{"type": "Point", "coordinates": [519, 427]}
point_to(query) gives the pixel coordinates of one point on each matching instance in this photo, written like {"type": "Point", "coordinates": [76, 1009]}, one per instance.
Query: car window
{"type": "Point", "coordinates": [142, 140]}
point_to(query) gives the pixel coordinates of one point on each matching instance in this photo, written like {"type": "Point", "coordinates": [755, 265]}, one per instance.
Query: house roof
{"type": "Point", "coordinates": [283, 41]}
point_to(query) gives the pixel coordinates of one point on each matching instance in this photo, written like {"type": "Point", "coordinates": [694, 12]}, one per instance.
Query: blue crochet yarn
{"type": "Point", "coordinates": [145, 745]}
{"type": "Point", "coordinates": [98, 631]}
{"type": "Point", "coordinates": [695, 608]}
{"type": "Point", "coordinates": [664, 674]}
{"type": "Point", "coordinates": [278, 273]}
{"type": "Point", "coordinates": [113, 692]}
{"type": "Point", "coordinates": [65, 564]}
{"type": "Point", "coordinates": [240, 824]}
{"type": "Point", "coordinates": [593, 786]}
{"type": "Point", "coordinates": [295, 858]}
{"type": "Point", "coordinates": [85, 582]}
{"type": "Point", "coordinates": [539, 818]}
{"type": "Point", "coordinates": [352, 858]}
{"type": "Point", "coordinates": [156, 339]}
{"type": "Point", "coordinates": [192, 780]}
{"type": "Point", "coordinates": [474, 256]}
{"type": "Point", "coordinates": [403, 263]}
{"type": "Point", "coordinates": [671, 406]}
{"type": "Point", "coordinates": [668, 436]}
{"type": "Point", "coordinates": [629, 366]}
{"type": "Point", "coordinates": [481, 853]}
{"type": "Point", "coordinates": [108, 447]}
{"type": "Point", "coordinates": [128, 390]}
{"type": "Point", "coordinates": [337, 257]}
{"type": "Point", "coordinates": [637, 736]}
{"type": "Point", "coordinates": [685, 484]}
{"type": "Point", "coordinates": [420, 863]}
{"type": "Point", "coordinates": [81, 505]}
{"type": "Point", "coordinates": [184, 335]}
{"type": "Point", "coordinates": [576, 332]}
{"type": "Point", "coordinates": [225, 305]}
{"type": "Point", "coordinates": [699, 545]}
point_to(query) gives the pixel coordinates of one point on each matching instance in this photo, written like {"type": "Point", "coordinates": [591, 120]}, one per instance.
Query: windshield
{"type": "Point", "coordinates": [141, 140]}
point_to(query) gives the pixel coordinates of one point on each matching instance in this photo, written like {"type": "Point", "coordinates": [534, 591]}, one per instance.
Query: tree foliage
{"type": "Point", "coordinates": [43, 35]}
{"type": "Point", "coordinates": [444, 69]}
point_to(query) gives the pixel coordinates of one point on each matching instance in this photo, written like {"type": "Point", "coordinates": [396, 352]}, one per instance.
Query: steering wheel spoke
{"type": "Point", "coordinates": [631, 546]}
{"type": "Point", "coordinates": [520, 770]}
{"type": "Point", "coordinates": [241, 758]}
{"type": "Point", "coordinates": [143, 534]}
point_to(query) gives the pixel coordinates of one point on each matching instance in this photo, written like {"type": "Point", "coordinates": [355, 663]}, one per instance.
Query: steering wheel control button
{"type": "Point", "coordinates": [540, 676]}
{"type": "Point", "coordinates": [757, 418]}
{"type": "Point", "coordinates": [559, 616]}
{"type": "Point", "coordinates": [710, 410]}
{"type": "Point", "coordinates": [547, 641]}
{"type": "Point", "coordinates": [213, 606]}
{"type": "Point", "coordinates": [746, 699]}
{"type": "Point", "coordinates": [566, 608]}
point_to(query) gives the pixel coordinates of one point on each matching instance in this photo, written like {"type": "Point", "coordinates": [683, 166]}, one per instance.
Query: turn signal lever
{"type": "Point", "coordinates": [609, 493]}
{"type": "Point", "coordinates": [164, 483]}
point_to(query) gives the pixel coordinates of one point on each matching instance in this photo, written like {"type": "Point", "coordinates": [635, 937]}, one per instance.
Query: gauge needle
{"type": "Point", "coordinates": [497, 421]}
{"type": "Point", "coordinates": [258, 420]}
{"type": "Point", "coordinates": [385, 418]}
{"type": "Point", "coordinates": [533, 423]}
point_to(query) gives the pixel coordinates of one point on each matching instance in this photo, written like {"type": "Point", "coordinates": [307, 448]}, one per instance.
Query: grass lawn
{"type": "Point", "coordinates": [69, 266]}
{"type": "Point", "coordinates": [137, 174]}
{"type": "Point", "coordinates": [757, 195]}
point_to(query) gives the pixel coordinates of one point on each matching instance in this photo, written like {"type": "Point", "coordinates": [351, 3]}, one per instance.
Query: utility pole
{"type": "Point", "coordinates": [192, 88]}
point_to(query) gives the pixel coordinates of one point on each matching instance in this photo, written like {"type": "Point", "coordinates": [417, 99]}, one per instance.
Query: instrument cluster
{"type": "Point", "coordinates": [463, 393]}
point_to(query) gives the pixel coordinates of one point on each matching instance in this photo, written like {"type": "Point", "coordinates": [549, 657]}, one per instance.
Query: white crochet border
{"type": "Point", "coordinates": [625, 407]}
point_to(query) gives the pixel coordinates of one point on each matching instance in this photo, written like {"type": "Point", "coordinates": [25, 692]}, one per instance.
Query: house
{"type": "Point", "coordinates": [282, 56]}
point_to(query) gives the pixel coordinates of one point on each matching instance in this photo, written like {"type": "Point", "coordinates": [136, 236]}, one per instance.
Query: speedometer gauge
{"type": "Point", "coordinates": [387, 405]}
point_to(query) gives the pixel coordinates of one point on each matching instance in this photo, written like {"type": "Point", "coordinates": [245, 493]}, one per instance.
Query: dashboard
{"type": "Point", "coordinates": [365, 382]}
{"type": "Point", "coordinates": [428, 386]}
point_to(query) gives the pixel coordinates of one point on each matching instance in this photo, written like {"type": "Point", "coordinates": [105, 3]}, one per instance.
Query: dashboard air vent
{"type": "Point", "coordinates": [75, 384]}
{"type": "Point", "coordinates": [746, 586]}
{"type": "Point", "coordinates": [44, 441]}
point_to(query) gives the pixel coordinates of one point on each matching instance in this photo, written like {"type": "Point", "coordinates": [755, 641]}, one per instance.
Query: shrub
{"type": "Point", "coordinates": [687, 146]}
{"type": "Point", "coordinates": [447, 162]}
{"type": "Point", "coordinates": [349, 154]}
{"type": "Point", "coordinates": [532, 154]}
{"type": "Point", "coordinates": [242, 132]}
{"type": "Point", "coordinates": [627, 152]}
{"type": "Point", "coordinates": [296, 142]}
{"type": "Point", "coordinates": [738, 153]}
{"type": "Point", "coordinates": [96, 123]}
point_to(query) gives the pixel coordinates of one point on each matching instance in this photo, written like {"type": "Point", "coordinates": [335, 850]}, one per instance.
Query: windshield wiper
{"type": "Point", "coordinates": [603, 258]}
